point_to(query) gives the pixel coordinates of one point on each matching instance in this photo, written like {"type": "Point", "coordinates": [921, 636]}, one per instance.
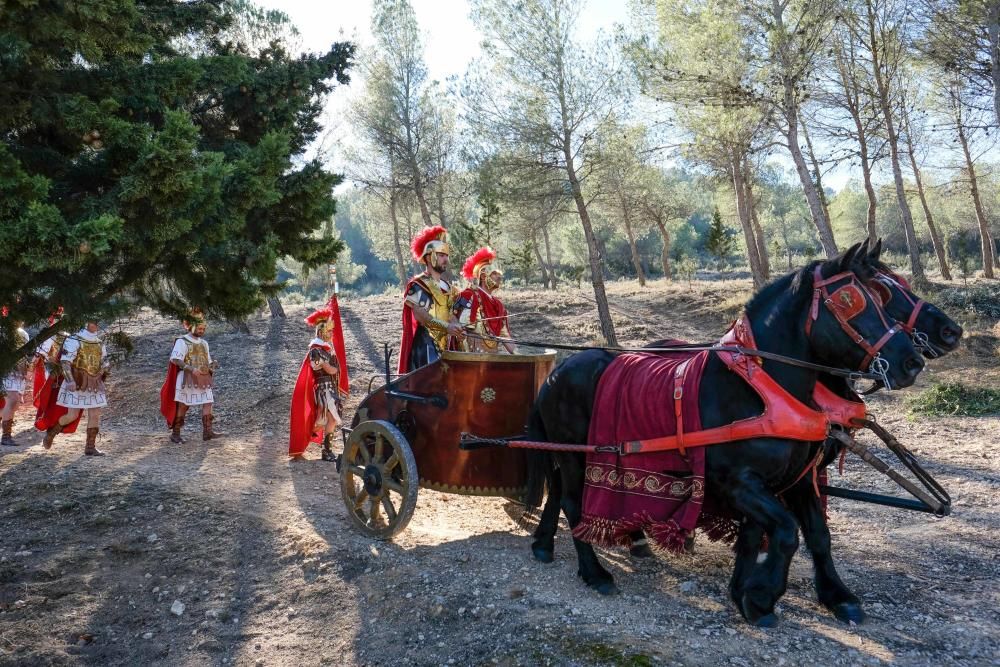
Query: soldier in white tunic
{"type": "Point", "coordinates": [191, 373]}
{"type": "Point", "coordinates": [13, 389]}
{"type": "Point", "coordinates": [85, 367]}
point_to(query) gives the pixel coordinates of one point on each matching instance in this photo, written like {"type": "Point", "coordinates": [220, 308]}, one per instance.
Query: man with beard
{"type": "Point", "coordinates": [480, 309]}
{"type": "Point", "coordinates": [428, 320]}
{"type": "Point", "coordinates": [14, 384]}
{"type": "Point", "coordinates": [189, 381]}
{"type": "Point", "coordinates": [84, 368]}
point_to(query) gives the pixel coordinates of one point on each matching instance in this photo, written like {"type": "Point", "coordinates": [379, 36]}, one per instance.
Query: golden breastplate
{"type": "Point", "coordinates": [196, 356]}
{"type": "Point", "coordinates": [88, 357]}
{"type": "Point", "coordinates": [442, 302]}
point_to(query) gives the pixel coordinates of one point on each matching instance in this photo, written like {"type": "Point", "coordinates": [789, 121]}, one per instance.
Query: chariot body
{"type": "Point", "coordinates": [406, 434]}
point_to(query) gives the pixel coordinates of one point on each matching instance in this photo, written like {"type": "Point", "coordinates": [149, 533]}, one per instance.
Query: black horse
{"type": "Point", "coordinates": [741, 475]}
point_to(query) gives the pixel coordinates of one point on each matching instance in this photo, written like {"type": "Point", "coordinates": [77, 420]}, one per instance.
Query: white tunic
{"type": "Point", "coordinates": [14, 382]}
{"type": "Point", "coordinates": [83, 400]}
{"type": "Point", "coordinates": [190, 395]}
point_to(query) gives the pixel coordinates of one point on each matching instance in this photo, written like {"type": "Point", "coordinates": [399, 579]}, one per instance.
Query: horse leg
{"type": "Point", "coordinates": [590, 568]}
{"type": "Point", "coordinates": [747, 549]}
{"type": "Point", "coordinates": [543, 547]}
{"type": "Point", "coordinates": [830, 589]}
{"type": "Point", "coordinates": [640, 545]}
{"type": "Point", "coordinates": [766, 583]}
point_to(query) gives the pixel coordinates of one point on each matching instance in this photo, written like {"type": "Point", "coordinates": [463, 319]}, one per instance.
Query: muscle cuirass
{"type": "Point", "coordinates": [89, 357]}
{"type": "Point", "coordinates": [196, 356]}
{"type": "Point", "coordinates": [317, 357]}
{"type": "Point", "coordinates": [440, 308]}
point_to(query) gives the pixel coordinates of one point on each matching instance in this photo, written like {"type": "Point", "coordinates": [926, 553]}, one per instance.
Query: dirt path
{"type": "Point", "coordinates": [95, 553]}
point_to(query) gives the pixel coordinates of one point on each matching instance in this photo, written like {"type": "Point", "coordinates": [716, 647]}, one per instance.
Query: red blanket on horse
{"type": "Point", "coordinates": [659, 492]}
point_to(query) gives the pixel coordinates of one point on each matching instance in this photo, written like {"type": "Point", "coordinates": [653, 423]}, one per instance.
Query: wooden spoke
{"type": "Point", "coordinates": [356, 470]}
{"type": "Point", "coordinates": [391, 485]}
{"type": "Point", "coordinates": [391, 463]}
{"type": "Point", "coordinates": [374, 515]}
{"type": "Point", "coordinates": [366, 456]}
{"type": "Point", "coordinates": [379, 444]}
{"type": "Point", "coordinates": [360, 499]}
{"type": "Point", "coordinates": [390, 510]}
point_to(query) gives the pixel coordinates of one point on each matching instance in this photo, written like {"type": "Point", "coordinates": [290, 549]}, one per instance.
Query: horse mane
{"type": "Point", "coordinates": [797, 284]}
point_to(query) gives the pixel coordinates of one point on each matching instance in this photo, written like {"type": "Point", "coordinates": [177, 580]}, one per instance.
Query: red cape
{"type": "Point", "coordinates": [49, 413]}
{"type": "Point", "coordinates": [410, 325]}
{"type": "Point", "coordinates": [303, 428]}
{"type": "Point", "coordinates": [168, 406]}
{"type": "Point", "coordinates": [492, 308]}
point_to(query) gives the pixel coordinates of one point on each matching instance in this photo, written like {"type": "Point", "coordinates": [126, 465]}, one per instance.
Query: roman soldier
{"type": "Point", "coordinates": [14, 384]}
{"type": "Point", "coordinates": [428, 320]}
{"type": "Point", "coordinates": [190, 373]}
{"type": "Point", "coordinates": [317, 400]}
{"type": "Point", "coordinates": [80, 389]}
{"type": "Point", "coordinates": [479, 308]}
{"type": "Point", "coordinates": [47, 358]}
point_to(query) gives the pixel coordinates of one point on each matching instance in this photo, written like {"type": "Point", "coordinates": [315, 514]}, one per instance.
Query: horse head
{"type": "Point", "coordinates": [847, 326]}
{"type": "Point", "coordinates": [933, 333]}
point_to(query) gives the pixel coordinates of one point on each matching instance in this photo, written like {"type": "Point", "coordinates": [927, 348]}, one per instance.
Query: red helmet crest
{"type": "Point", "coordinates": [426, 235]}
{"type": "Point", "coordinates": [479, 259]}
{"type": "Point", "coordinates": [321, 315]}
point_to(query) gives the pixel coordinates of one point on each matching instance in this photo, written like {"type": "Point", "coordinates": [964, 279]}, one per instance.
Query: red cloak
{"type": "Point", "coordinates": [303, 429]}
{"type": "Point", "coordinates": [49, 413]}
{"type": "Point", "coordinates": [168, 406]}
{"type": "Point", "coordinates": [338, 347]}
{"type": "Point", "coordinates": [491, 306]}
{"type": "Point", "coordinates": [410, 325]}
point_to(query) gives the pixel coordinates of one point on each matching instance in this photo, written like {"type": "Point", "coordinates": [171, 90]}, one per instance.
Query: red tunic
{"type": "Point", "coordinates": [491, 308]}
{"type": "Point", "coordinates": [410, 325]}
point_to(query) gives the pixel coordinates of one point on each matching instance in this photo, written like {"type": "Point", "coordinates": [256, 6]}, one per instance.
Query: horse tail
{"type": "Point", "coordinates": [539, 463]}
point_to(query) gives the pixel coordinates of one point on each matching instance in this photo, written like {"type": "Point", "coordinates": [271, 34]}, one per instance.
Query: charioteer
{"type": "Point", "coordinates": [429, 302]}
{"type": "Point", "coordinates": [478, 307]}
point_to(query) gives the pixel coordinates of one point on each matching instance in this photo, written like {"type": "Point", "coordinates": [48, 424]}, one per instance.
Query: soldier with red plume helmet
{"type": "Point", "coordinates": [429, 300]}
{"type": "Point", "coordinates": [14, 384]}
{"type": "Point", "coordinates": [189, 380]}
{"type": "Point", "coordinates": [317, 400]}
{"type": "Point", "coordinates": [480, 308]}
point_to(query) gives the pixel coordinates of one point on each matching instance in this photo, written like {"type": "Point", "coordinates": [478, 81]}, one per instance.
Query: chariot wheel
{"type": "Point", "coordinates": [378, 479]}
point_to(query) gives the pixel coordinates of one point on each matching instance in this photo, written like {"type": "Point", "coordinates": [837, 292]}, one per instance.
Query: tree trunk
{"type": "Point", "coordinates": [882, 86]}
{"type": "Point", "coordinates": [596, 270]}
{"type": "Point", "coordinates": [665, 252]}
{"type": "Point", "coordinates": [636, 260]}
{"type": "Point", "coordinates": [538, 258]}
{"type": "Point", "coordinates": [548, 256]}
{"type": "Point", "coordinates": [758, 231]}
{"type": "Point", "coordinates": [736, 169]}
{"type": "Point", "coordinates": [822, 225]}
{"type": "Point", "coordinates": [239, 326]}
{"type": "Point", "coordinates": [276, 308]}
{"type": "Point", "coordinates": [986, 239]}
{"type": "Point", "coordinates": [935, 237]}
{"type": "Point", "coordinates": [852, 95]}
{"type": "Point", "coordinates": [418, 190]}
{"type": "Point", "coordinates": [819, 178]}
{"type": "Point", "coordinates": [993, 35]}
{"type": "Point", "coordinates": [397, 247]}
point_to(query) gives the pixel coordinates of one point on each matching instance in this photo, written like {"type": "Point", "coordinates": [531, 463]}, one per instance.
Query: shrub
{"type": "Point", "coordinates": [947, 399]}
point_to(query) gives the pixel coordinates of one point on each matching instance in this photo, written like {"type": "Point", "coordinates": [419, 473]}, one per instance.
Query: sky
{"type": "Point", "coordinates": [452, 43]}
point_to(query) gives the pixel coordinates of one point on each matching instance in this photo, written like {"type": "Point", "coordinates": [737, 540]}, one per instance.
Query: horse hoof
{"type": "Point", "coordinates": [605, 587]}
{"type": "Point", "coordinates": [766, 621]}
{"type": "Point", "coordinates": [641, 550]}
{"type": "Point", "coordinates": [542, 555]}
{"type": "Point", "coordinates": [849, 612]}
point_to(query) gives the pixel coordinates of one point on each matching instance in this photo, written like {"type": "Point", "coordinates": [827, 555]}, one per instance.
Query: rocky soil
{"type": "Point", "coordinates": [226, 553]}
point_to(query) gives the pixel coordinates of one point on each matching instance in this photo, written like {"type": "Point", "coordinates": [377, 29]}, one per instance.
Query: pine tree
{"type": "Point", "coordinates": [151, 156]}
{"type": "Point", "coordinates": [719, 242]}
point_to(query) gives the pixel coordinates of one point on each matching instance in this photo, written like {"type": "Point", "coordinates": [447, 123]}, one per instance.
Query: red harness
{"type": "Point", "coordinates": [846, 303]}
{"type": "Point", "coordinates": [784, 416]}
{"type": "Point", "coordinates": [882, 290]}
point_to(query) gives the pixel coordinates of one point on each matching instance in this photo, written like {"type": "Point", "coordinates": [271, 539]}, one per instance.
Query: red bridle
{"type": "Point", "coordinates": [886, 277]}
{"type": "Point", "coordinates": [845, 303]}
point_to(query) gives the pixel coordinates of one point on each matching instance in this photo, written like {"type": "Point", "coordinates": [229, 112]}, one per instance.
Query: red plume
{"type": "Point", "coordinates": [423, 237]}
{"type": "Point", "coordinates": [319, 316]}
{"type": "Point", "coordinates": [484, 254]}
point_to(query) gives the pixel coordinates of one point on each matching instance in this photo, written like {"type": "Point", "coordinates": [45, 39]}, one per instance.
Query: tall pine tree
{"type": "Point", "coordinates": [150, 156]}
